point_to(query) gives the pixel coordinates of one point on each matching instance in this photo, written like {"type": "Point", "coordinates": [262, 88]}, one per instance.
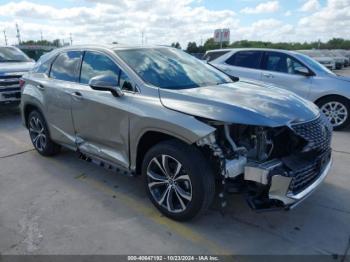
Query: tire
{"type": "Point", "coordinates": [335, 108]}
{"type": "Point", "coordinates": [193, 184]}
{"type": "Point", "coordinates": [39, 135]}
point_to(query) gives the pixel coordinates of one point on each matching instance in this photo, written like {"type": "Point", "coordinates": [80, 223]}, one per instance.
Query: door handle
{"type": "Point", "coordinates": [268, 75]}
{"type": "Point", "coordinates": [40, 86]}
{"type": "Point", "coordinates": [77, 95]}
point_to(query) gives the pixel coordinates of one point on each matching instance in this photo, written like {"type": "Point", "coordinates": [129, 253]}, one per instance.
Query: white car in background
{"type": "Point", "coordinates": [327, 61]}
{"type": "Point", "coordinates": [295, 72]}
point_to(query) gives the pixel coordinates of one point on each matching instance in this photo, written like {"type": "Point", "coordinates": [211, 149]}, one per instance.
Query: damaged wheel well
{"type": "Point", "coordinates": [148, 140]}
{"type": "Point", "coordinates": [152, 138]}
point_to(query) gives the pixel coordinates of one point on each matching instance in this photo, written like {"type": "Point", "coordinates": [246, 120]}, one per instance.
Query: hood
{"type": "Point", "coordinates": [324, 59]}
{"type": "Point", "coordinates": [340, 77]}
{"type": "Point", "coordinates": [15, 67]}
{"type": "Point", "coordinates": [241, 103]}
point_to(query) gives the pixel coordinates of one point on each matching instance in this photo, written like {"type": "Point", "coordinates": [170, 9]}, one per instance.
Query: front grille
{"type": "Point", "coordinates": [9, 83]}
{"type": "Point", "coordinates": [305, 176]}
{"type": "Point", "coordinates": [317, 133]}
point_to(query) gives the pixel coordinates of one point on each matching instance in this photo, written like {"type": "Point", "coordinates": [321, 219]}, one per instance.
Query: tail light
{"type": "Point", "coordinates": [21, 83]}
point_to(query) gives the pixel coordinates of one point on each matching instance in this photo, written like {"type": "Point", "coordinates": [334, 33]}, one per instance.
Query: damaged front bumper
{"type": "Point", "coordinates": [280, 185]}
{"type": "Point", "coordinates": [287, 189]}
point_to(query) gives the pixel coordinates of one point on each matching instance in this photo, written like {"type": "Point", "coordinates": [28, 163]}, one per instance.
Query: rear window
{"type": "Point", "coordinates": [66, 66]}
{"type": "Point", "coordinates": [43, 65]}
{"type": "Point", "coordinates": [249, 59]}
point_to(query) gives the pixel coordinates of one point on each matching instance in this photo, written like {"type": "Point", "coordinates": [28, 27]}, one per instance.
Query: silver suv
{"type": "Point", "coordinates": [185, 127]}
{"type": "Point", "coordinates": [13, 64]}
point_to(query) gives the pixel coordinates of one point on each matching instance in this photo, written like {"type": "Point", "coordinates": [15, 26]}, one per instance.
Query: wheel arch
{"type": "Point", "coordinates": [317, 101]}
{"type": "Point", "coordinates": [27, 109]}
{"type": "Point", "coordinates": [149, 139]}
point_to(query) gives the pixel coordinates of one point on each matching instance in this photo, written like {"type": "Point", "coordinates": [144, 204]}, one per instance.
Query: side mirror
{"type": "Point", "coordinates": [106, 83]}
{"type": "Point", "coordinates": [302, 71]}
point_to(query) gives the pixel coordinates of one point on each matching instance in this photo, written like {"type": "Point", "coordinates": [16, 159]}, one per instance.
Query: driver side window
{"type": "Point", "coordinates": [292, 64]}
{"type": "Point", "coordinates": [96, 64]}
{"type": "Point", "coordinates": [280, 62]}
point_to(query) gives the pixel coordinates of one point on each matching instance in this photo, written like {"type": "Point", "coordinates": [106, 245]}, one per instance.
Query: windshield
{"type": "Point", "coordinates": [171, 68]}
{"type": "Point", "coordinates": [314, 64]}
{"type": "Point", "coordinates": [11, 54]}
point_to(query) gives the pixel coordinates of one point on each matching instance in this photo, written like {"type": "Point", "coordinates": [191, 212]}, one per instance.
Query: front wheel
{"type": "Point", "coordinates": [337, 110]}
{"type": "Point", "coordinates": [178, 179]}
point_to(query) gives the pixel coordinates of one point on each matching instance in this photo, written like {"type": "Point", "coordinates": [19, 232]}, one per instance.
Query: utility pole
{"type": "Point", "coordinates": [70, 38]}
{"type": "Point", "coordinates": [18, 34]}
{"type": "Point", "coordinates": [41, 35]}
{"type": "Point", "coordinates": [142, 35]}
{"type": "Point", "coordinates": [5, 37]}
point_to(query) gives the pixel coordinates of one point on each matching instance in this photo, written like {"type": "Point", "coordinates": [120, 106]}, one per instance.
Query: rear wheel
{"type": "Point", "coordinates": [39, 135]}
{"type": "Point", "coordinates": [178, 179]}
{"type": "Point", "coordinates": [337, 110]}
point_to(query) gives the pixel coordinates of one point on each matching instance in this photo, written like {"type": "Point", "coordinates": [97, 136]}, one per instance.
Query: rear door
{"type": "Point", "coordinates": [244, 64]}
{"type": "Point", "coordinates": [101, 120]}
{"type": "Point", "coordinates": [56, 90]}
{"type": "Point", "coordinates": [279, 69]}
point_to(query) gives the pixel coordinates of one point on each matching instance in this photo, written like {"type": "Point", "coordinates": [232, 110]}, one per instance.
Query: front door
{"type": "Point", "coordinates": [101, 120]}
{"type": "Point", "coordinates": [279, 70]}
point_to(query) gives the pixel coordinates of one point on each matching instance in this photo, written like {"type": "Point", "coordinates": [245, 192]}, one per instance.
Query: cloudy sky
{"type": "Point", "coordinates": [166, 21]}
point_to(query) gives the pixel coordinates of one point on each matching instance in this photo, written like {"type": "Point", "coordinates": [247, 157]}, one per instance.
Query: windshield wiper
{"type": "Point", "coordinates": [11, 61]}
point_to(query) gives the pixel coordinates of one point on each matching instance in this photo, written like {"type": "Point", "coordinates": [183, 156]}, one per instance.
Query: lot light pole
{"type": "Point", "coordinates": [5, 37]}
{"type": "Point", "coordinates": [18, 34]}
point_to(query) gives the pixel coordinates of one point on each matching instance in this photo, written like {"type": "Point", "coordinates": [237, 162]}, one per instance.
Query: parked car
{"type": "Point", "coordinates": [180, 123]}
{"type": "Point", "coordinates": [295, 72]}
{"type": "Point", "coordinates": [340, 54]}
{"type": "Point", "coordinates": [13, 64]}
{"type": "Point", "coordinates": [326, 61]}
{"type": "Point", "coordinates": [214, 54]}
{"type": "Point", "coordinates": [345, 53]}
{"type": "Point", "coordinates": [339, 60]}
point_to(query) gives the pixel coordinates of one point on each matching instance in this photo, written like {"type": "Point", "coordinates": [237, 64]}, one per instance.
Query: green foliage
{"type": "Point", "coordinates": [335, 43]}
{"type": "Point", "coordinates": [176, 45]}
{"type": "Point", "coordinates": [55, 42]}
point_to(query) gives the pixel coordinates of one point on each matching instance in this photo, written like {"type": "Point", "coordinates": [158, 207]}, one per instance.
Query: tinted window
{"type": "Point", "coordinates": [250, 59]}
{"type": "Point", "coordinates": [95, 64]}
{"type": "Point", "coordinates": [43, 65]}
{"type": "Point", "coordinates": [124, 82]}
{"type": "Point", "coordinates": [66, 66]}
{"type": "Point", "coordinates": [279, 62]}
{"type": "Point", "coordinates": [171, 68]}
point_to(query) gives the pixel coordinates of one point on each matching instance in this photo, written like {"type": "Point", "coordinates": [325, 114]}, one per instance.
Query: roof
{"type": "Point", "coordinates": [109, 46]}
{"type": "Point", "coordinates": [252, 49]}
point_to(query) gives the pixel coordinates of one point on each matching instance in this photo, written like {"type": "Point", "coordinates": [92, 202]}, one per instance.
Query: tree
{"type": "Point", "coordinates": [176, 45]}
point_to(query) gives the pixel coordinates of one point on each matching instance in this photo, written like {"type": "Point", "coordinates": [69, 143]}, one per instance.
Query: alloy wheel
{"type": "Point", "coordinates": [169, 183]}
{"type": "Point", "coordinates": [37, 133]}
{"type": "Point", "coordinates": [336, 113]}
